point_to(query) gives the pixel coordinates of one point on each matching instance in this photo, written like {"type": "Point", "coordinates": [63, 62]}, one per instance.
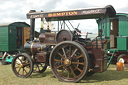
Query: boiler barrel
{"type": "Point", "coordinates": [35, 47]}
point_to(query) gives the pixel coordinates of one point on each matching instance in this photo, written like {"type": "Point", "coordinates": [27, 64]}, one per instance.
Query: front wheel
{"type": "Point", "coordinates": [22, 65]}
{"type": "Point", "coordinates": [69, 61]}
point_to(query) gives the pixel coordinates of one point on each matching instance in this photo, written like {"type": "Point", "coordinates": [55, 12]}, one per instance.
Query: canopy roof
{"type": "Point", "coordinates": [75, 14]}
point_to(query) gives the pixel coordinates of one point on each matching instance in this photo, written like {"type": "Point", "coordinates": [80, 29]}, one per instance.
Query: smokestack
{"type": "Point", "coordinates": [32, 26]}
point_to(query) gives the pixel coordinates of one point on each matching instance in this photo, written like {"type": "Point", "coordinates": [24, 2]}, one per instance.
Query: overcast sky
{"type": "Point", "coordinates": [15, 10]}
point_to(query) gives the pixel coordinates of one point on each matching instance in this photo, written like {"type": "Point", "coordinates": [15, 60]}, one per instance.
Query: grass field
{"type": "Point", "coordinates": [109, 77]}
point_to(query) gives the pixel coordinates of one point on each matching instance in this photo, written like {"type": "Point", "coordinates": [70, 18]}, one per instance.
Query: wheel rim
{"type": "Point", "coordinates": [22, 66]}
{"type": "Point", "coordinates": [39, 67]}
{"type": "Point", "coordinates": [69, 62]}
{"type": "Point", "coordinates": [125, 59]}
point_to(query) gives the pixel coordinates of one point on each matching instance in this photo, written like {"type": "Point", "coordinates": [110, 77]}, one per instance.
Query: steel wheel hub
{"type": "Point", "coordinates": [67, 62]}
{"type": "Point", "coordinates": [21, 65]}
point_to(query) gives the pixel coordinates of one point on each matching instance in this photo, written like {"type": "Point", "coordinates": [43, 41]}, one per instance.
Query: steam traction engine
{"type": "Point", "coordinates": [69, 56]}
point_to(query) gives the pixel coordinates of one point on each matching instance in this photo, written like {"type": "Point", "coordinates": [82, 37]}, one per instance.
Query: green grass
{"type": "Point", "coordinates": [109, 77]}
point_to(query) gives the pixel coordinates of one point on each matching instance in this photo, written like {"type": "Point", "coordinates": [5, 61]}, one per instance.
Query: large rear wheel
{"type": "Point", "coordinates": [22, 65]}
{"type": "Point", "coordinates": [69, 61]}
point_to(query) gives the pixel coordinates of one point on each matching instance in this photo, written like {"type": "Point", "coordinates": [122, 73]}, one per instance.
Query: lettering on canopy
{"type": "Point", "coordinates": [37, 16]}
{"type": "Point", "coordinates": [59, 14]}
{"type": "Point", "coordinates": [91, 11]}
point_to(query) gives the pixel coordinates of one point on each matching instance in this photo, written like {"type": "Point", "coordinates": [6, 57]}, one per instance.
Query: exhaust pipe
{"type": "Point", "coordinates": [32, 27]}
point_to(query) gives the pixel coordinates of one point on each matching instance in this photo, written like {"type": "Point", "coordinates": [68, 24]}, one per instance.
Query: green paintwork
{"type": "Point", "coordinates": [8, 36]}
{"type": "Point", "coordinates": [122, 43]}
{"type": "Point", "coordinates": [122, 39]}
{"type": "Point", "coordinates": [123, 26]}
{"type": "Point", "coordinates": [12, 38]}
{"type": "Point", "coordinates": [111, 57]}
{"type": "Point", "coordinates": [3, 38]}
{"type": "Point", "coordinates": [112, 50]}
{"type": "Point", "coordinates": [105, 26]}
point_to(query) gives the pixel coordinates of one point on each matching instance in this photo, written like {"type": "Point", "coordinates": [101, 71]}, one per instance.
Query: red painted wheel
{"type": "Point", "coordinates": [125, 58]}
{"type": "Point", "coordinates": [69, 61]}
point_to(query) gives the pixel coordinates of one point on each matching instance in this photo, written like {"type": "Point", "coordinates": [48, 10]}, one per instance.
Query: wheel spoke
{"type": "Point", "coordinates": [68, 74]}
{"type": "Point", "coordinates": [60, 54]}
{"type": "Point", "coordinates": [72, 71]}
{"type": "Point", "coordinates": [35, 68]}
{"type": "Point", "coordinates": [62, 71]}
{"type": "Point", "coordinates": [27, 64]}
{"type": "Point", "coordinates": [77, 63]}
{"type": "Point", "coordinates": [69, 50]}
{"type": "Point", "coordinates": [59, 66]}
{"type": "Point", "coordinates": [74, 52]}
{"type": "Point", "coordinates": [26, 61]}
{"type": "Point", "coordinates": [41, 65]}
{"type": "Point", "coordinates": [58, 60]}
{"type": "Point", "coordinates": [19, 69]}
{"type": "Point", "coordinates": [20, 60]}
{"type": "Point", "coordinates": [25, 71]}
{"type": "Point", "coordinates": [22, 65]}
{"type": "Point", "coordinates": [68, 61]}
{"type": "Point", "coordinates": [79, 56]}
{"type": "Point", "coordinates": [77, 68]}
{"type": "Point", "coordinates": [64, 52]}
{"type": "Point", "coordinates": [38, 68]}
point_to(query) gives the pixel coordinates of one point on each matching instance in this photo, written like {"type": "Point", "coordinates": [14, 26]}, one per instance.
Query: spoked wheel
{"type": "Point", "coordinates": [69, 61]}
{"type": "Point", "coordinates": [22, 65]}
{"type": "Point", "coordinates": [125, 58]}
{"type": "Point", "coordinates": [39, 67]}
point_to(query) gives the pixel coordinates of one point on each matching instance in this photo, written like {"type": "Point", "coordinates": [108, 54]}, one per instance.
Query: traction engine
{"type": "Point", "coordinates": [70, 56]}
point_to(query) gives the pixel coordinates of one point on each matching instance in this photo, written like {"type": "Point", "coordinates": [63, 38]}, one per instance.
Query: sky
{"type": "Point", "coordinates": [16, 10]}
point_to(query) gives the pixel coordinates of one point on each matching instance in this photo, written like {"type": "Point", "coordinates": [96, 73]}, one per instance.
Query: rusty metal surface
{"type": "Point", "coordinates": [41, 57]}
{"type": "Point", "coordinates": [99, 59]}
{"type": "Point", "coordinates": [42, 37]}
{"type": "Point", "coordinates": [50, 38]}
{"type": "Point", "coordinates": [96, 54]}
